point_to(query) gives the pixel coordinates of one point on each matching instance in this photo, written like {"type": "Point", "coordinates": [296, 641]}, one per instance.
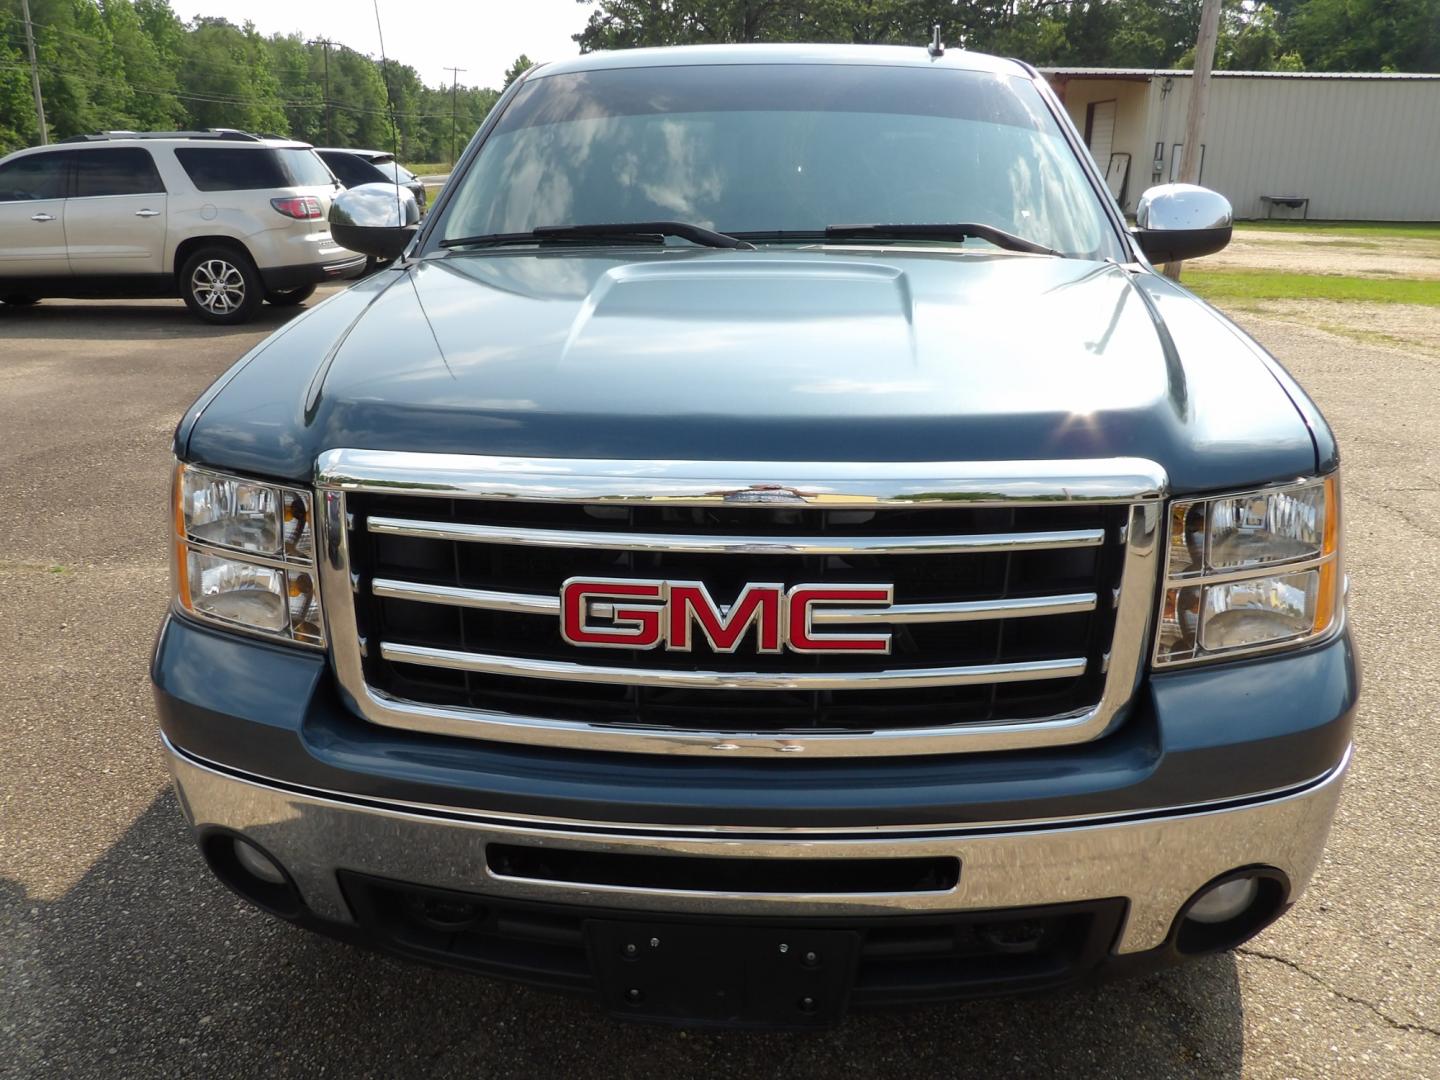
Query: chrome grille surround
{"type": "Point", "coordinates": [1137, 483]}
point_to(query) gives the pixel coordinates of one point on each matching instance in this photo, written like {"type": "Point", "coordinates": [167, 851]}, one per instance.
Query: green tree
{"type": "Point", "coordinates": [1365, 35]}
{"type": "Point", "coordinates": [80, 72]}
{"type": "Point", "coordinates": [357, 94]}
{"type": "Point", "coordinates": [226, 72]}
{"type": "Point", "coordinates": [1335, 35]}
{"type": "Point", "coordinates": [292, 63]}
{"type": "Point", "coordinates": [521, 65]}
{"type": "Point", "coordinates": [145, 68]}
{"type": "Point", "coordinates": [405, 89]}
{"type": "Point", "coordinates": [17, 113]}
{"type": "Point", "coordinates": [623, 24]}
{"type": "Point", "coordinates": [134, 64]}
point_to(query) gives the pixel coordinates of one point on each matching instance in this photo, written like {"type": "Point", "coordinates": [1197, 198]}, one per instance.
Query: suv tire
{"type": "Point", "coordinates": [289, 297]}
{"type": "Point", "coordinates": [221, 285]}
{"type": "Point", "coordinates": [19, 299]}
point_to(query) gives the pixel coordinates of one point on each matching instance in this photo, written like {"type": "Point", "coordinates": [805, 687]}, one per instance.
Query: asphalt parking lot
{"type": "Point", "coordinates": [121, 956]}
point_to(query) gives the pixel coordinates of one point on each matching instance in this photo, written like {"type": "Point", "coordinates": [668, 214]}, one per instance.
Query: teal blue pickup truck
{"type": "Point", "coordinates": [770, 544]}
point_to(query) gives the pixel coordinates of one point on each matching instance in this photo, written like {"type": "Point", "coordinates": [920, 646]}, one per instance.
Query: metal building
{"type": "Point", "coordinates": [1283, 144]}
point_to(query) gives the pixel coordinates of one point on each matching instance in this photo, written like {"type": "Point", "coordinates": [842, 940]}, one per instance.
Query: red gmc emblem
{"type": "Point", "coordinates": [616, 613]}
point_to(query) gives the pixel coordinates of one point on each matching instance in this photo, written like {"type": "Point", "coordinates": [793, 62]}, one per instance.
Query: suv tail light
{"type": "Point", "coordinates": [303, 207]}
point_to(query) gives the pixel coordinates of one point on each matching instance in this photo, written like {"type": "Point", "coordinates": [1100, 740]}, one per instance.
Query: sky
{"type": "Point", "coordinates": [483, 36]}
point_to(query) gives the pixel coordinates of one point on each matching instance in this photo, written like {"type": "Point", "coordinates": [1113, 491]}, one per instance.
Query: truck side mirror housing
{"type": "Point", "coordinates": [374, 219]}
{"type": "Point", "coordinates": [1182, 221]}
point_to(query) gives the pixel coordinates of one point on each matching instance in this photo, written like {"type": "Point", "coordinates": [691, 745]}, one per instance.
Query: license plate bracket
{"type": "Point", "coordinates": [722, 974]}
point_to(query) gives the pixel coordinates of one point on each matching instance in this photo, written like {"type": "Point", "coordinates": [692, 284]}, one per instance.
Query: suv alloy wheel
{"type": "Point", "coordinates": [221, 285]}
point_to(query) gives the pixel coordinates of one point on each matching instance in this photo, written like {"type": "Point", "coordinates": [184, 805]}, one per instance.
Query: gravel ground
{"type": "Point", "coordinates": [1412, 329]}
{"type": "Point", "coordinates": [120, 956]}
{"type": "Point", "coordinates": [1302, 252]}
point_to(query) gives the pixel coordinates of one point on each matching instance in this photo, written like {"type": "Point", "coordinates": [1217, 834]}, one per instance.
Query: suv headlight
{"type": "Point", "coordinates": [1251, 572]}
{"type": "Point", "coordinates": [244, 555]}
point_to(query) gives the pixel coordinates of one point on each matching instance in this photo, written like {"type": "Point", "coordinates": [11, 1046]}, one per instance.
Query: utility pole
{"type": "Point", "coordinates": [326, 44]}
{"type": "Point", "coordinates": [35, 74]}
{"type": "Point", "coordinates": [1199, 101]}
{"type": "Point", "coordinates": [454, 99]}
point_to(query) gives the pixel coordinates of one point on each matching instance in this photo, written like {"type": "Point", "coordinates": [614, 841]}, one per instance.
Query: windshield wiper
{"type": "Point", "coordinates": [952, 231]}
{"type": "Point", "coordinates": [638, 231]}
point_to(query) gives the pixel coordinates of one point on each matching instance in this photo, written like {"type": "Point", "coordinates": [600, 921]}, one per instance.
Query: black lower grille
{"type": "Point", "coordinates": [900, 959]}
{"type": "Point", "coordinates": [918, 579]}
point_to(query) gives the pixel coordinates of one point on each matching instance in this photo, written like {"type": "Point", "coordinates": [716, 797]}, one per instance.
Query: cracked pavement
{"type": "Point", "coordinates": [121, 956]}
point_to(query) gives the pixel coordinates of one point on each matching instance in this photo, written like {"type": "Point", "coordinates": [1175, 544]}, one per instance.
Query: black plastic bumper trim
{"type": "Point", "coordinates": [278, 278]}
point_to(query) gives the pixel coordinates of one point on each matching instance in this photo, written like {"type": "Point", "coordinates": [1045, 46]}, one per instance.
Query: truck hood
{"type": "Point", "coordinates": [792, 355]}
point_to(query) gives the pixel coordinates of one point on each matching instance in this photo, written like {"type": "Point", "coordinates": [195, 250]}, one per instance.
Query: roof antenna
{"type": "Point", "coordinates": [937, 47]}
{"type": "Point", "coordinates": [390, 108]}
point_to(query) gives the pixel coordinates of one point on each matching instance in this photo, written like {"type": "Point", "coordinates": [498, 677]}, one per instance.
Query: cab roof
{"type": "Point", "coordinates": [870, 55]}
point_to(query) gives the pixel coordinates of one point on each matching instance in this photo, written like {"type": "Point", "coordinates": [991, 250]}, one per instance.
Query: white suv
{"type": "Point", "coordinates": [223, 219]}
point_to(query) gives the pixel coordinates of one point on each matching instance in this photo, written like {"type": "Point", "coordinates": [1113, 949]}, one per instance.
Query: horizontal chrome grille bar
{"type": "Point", "coordinates": [480, 599]}
{"type": "Point", "coordinates": [961, 611]}
{"type": "Point", "coordinates": [894, 679]}
{"type": "Point", "coordinates": [739, 545]}
{"type": "Point", "coordinates": [826, 484]}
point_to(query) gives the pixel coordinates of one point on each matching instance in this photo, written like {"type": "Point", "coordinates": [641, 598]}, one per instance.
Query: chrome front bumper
{"type": "Point", "coordinates": [1157, 861]}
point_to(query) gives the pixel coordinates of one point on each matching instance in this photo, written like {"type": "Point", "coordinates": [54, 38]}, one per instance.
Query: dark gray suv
{"type": "Point", "coordinates": [355, 167]}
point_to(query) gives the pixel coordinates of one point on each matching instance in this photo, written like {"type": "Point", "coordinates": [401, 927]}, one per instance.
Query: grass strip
{"type": "Point", "coordinates": [1411, 230]}
{"type": "Point", "coordinates": [1240, 286]}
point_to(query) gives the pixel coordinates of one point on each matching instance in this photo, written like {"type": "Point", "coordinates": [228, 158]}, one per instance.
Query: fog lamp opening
{"type": "Point", "coordinates": [258, 863]}
{"type": "Point", "coordinates": [252, 872]}
{"type": "Point", "coordinates": [1225, 901]}
{"type": "Point", "coordinates": [1231, 909]}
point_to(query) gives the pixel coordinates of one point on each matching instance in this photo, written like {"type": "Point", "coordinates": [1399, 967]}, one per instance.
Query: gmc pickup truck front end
{"type": "Point", "coordinates": [767, 547]}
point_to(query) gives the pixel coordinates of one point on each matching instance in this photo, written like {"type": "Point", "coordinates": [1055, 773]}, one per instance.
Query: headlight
{"type": "Point", "coordinates": [1251, 572]}
{"type": "Point", "coordinates": [244, 555]}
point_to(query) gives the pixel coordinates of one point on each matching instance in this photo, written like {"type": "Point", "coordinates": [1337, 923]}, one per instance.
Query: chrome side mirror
{"type": "Point", "coordinates": [1182, 221]}
{"type": "Point", "coordinates": [374, 219]}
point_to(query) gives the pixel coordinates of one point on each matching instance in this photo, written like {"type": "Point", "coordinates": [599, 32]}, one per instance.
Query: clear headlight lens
{"type": "Point", "coordinates": [237, 591]}
{"type": "Point", "coordinates": [1250, 572]}
{"type": "Point", "coordinates": [1263, 528]}
{"type": "Point", "coordinates": [245, 554]}
{"type": "Point", "coordinates": [1251, 612]}
{"type": "Point", "coordinates": [231, 512]}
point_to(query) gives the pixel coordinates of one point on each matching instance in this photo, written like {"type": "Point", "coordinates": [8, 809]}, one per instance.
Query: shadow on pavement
{"type": "Point", "coordinates": [119, 319]}
{"type": "Point", "coordinates": [149, 967]}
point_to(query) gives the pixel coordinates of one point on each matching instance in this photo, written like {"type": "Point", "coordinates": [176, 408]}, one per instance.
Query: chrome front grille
{"type": "Point", "coordinates": [1021, 599]}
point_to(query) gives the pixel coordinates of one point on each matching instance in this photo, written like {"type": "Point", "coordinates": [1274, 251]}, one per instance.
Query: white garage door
{"type": "Point", "coordinates": [1101, 125]}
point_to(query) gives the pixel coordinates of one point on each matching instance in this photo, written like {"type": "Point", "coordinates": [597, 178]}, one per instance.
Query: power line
{"type": "Point", "coordinates": [326, 43]}
{"type": "Point", "coordinates": [454, 91]}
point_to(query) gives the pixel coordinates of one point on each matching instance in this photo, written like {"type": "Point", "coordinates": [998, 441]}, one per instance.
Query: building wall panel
{"type": "Point", "coordinates": [1360, 149]}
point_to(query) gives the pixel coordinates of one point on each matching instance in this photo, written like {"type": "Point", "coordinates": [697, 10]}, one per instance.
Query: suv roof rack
{"type": "Point", "coordinates": [226, 134]}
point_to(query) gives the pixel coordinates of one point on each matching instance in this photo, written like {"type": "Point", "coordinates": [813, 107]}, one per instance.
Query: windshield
{"type": "Point", "coordinates": [755, 149]}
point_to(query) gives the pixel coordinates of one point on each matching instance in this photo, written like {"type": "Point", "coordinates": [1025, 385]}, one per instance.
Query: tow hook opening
{"type": "Point", "coordinates": [252, 872]}
{"type": "Point", "coordinates": [1231, 909]}
{"type": "Point", "coordinates": [446, 915]}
